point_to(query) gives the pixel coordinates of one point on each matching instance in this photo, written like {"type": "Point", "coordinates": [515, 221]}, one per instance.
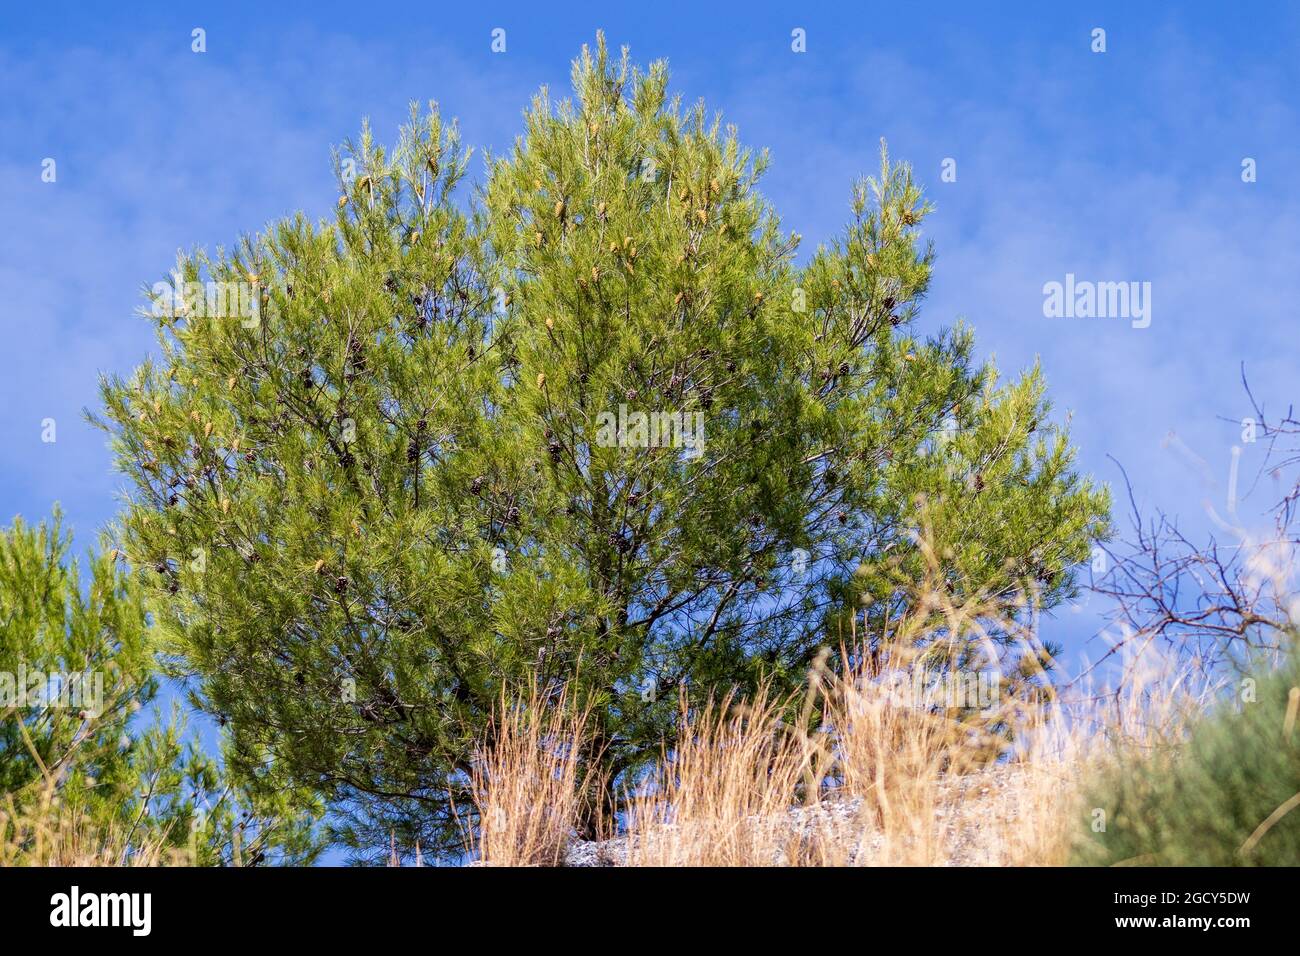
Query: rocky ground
{"type": "Point", "coordinates": [967, 809]}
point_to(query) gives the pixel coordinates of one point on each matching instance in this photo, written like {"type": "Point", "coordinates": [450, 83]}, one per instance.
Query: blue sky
{"type": "Point", "coordinates": [1115, 166]}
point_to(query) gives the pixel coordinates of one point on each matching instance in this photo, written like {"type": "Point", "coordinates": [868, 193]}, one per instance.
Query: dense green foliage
{"type": "Point", "coordinates": [76, 681]}
{"type": "Point", "coordinates": [1227, 796]}
{"type": "Point", "coordinates": [393, 490]}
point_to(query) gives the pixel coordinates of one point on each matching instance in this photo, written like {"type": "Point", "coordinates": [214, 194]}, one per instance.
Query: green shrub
{"type": "Point", "coordinates": [1227, 795]}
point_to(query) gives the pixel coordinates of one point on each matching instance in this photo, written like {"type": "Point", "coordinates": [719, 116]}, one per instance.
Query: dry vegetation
{"type": "Point", "coordinates": [867, 766]}
{"type": "Point", "coordinates": [528, 784]}
{"type": "Point", "coordinates": [879, 783]}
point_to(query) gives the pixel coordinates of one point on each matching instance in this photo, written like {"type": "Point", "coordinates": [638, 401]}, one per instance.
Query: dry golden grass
{"type": "Point", "coordinates": [884, 780]}
{"type": "Point", "coordinates": [868, 783]}
{"type": "Point", "coordinates": [528, 783]}
{"type": "Point", "coordinates": [718, 799]}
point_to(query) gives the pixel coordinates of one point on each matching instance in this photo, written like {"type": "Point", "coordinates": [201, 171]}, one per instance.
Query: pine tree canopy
{"type": "Point", "coordinates": [592, 425]}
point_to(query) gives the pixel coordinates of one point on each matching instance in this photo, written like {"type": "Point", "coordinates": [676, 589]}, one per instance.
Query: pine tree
{"type": "Point", "coordinates": [418, 469]}
{"type": "Point", "coordinates": [79, 747]}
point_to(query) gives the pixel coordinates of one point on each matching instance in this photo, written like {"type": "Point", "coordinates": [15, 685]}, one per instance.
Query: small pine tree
{"type": "Point", "coordinates": [574, 433]}
{"type": "Point", "coordinates": [77, 746]}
